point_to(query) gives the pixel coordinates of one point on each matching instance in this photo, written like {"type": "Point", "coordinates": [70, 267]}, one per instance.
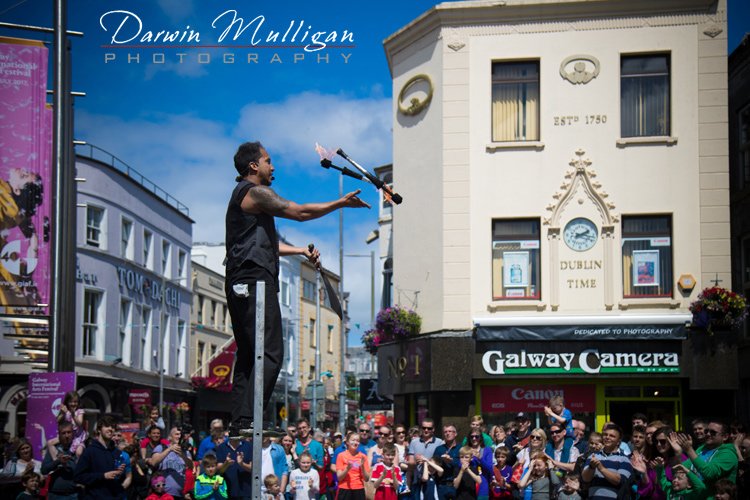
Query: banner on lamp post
{"type": "Point", "coordinates": [46, 394]}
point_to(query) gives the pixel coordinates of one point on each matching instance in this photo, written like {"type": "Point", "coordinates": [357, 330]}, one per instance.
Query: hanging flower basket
{"type": "Point", "coordinates": [392, 323]}
{"type": "Point", "coordinates": [718, 309]}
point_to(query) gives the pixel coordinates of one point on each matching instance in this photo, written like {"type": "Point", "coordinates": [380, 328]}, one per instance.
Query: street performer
{"type": "Point", "coordinates": [253, 251]}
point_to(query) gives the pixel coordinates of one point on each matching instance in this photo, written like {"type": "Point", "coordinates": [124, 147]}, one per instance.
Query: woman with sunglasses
{"type": "Point", "coordinates": [483, 460]}
{"type": "Point", "coordinates": [648, 486]}
{"type": "Point", "coordinates": [375, 454]}
{"type": "Point", "coordinates": [537, 444]}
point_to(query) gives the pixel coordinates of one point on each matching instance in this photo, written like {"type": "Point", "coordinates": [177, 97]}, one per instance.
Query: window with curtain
{"type": "Point", "coordinates": [516, 259]}
{"type": "Point", "coordinates": [647, 256]}
{"type": "Point", "coordinates": [644, 95]}
{"type": "Point", "coordinates": [515, 101]}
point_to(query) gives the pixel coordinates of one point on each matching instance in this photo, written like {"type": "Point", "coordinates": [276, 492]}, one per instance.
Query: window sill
{"type": "Point", "coordinates": [649, 303]}
{"type": "Point", "coordinates": [516, 304]}
{"type": "Point", "coordinates": [494, 146]}
{"type": "Point", "coordinates": [635, 141]}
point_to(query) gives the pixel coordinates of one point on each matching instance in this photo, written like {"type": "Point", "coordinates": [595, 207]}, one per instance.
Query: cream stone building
{"type": "Point", "coordinates": [572, 157]}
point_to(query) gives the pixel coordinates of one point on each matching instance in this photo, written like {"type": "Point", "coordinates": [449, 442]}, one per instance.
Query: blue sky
{"type": "Point", "coordinates": [179, 122]}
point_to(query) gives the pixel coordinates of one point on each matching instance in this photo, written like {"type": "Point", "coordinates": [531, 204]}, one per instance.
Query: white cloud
{"type": "Point", "coordinates": [177, 10]}
{"type": "Point", "coordinates": [290, 128]}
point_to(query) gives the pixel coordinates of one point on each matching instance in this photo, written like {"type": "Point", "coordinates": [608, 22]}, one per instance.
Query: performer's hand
{"type": "Point", "coordinates": [351, 200]}
{"type": "Point", "coordinates": [313, 255]}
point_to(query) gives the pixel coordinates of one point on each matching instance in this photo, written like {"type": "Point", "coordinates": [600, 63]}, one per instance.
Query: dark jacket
{"type": "Point", "coordinates": [61, 476]}
{"type": "Point", "coordinates": [90, 469]}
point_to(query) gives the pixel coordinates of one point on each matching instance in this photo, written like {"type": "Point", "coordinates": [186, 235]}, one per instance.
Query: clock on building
{"type": "Point", "coordinates": [580, 234]}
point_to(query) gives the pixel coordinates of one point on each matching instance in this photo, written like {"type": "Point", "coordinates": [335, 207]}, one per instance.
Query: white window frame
{"type": "Point", "coordinates": [126, 244]}
{"type": "Point", "coordinates": [96, 236]}
{"type": "Point", "coordinates": [147, 322]}
{"type": "Point", "coordinates": [182, 348]}
{"type": "Point", "coordinates": [166, 258]}
{"type": "Point", "coordinates": [93, 332]}
{"type": "Point", "coordinates": [125, 331]}
{"type": "Point", "coordinates": [148, 249]}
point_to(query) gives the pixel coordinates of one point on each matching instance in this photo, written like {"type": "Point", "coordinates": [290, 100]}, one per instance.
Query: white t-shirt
{"type": "Point", "coordinates": [299, 483]}
{"type": "Point", "coordinates": [266, 466]}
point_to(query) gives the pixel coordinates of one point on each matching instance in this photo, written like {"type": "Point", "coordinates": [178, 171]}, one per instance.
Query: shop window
{"type": "Point", "coordinates": [647, 256]}
{"type": "Point", "coordinates": [622, 391]}
{"type": "Point", "coordinates": [644, 95]}
{"type": "Point", "coordinates": [515, 259]}
{"type": "Point", "coordinates": [95, 226]}
{"type": "Point", "coordinates": [515, 101]}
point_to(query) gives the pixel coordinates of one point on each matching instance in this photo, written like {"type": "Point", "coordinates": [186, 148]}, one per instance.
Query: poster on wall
{"type": "Point", "coordinates": [25, 176]}
{"type": "Point", "coordinates": [46, 394]}
{"type": "Point", "coordinates": [515, 269]}
{"type": "Point", "coordinates": [646, 267]}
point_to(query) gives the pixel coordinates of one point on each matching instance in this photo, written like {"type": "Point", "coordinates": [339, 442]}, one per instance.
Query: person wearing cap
{"type": "Point", "coordinates": [253, 250]}
{"type": "Point", "coordinates": [518, 439]}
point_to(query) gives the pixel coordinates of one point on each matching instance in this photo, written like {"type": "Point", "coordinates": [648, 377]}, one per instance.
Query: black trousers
{"type": "Point", "coordinates": [241, 304]}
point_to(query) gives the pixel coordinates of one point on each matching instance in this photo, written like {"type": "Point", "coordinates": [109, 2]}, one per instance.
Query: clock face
{"type": "Point", "coordinates": [580, 234]}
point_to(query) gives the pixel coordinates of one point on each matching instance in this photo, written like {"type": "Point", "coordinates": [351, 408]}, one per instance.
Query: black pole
{"type": "Point", "coordinates": [62, 304]}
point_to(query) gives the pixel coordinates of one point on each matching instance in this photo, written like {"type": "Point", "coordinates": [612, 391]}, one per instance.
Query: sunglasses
{"type": "Point", "coordinates": [558, 431]}
{"type": "Point", "coordinates": [661, 441]}
{"type": "Point", "coordinates": [364, 430]}
{"type": "Point", "coordinates": [712, 432]}
{"type": "Point", "coordinates": [159, 485]}
{"type": "Point", "coordinates": [474, 436]}
{"type": "Point", "coordinates": [535, 438]}
{"type": "Point", "coordinates": [385, 434]}
{"type": "Point", "coordinates": [427, 428]}
{"type": "Point", "coordinates": [400, 432]}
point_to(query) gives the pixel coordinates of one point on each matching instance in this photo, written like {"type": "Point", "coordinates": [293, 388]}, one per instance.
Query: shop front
{"type": "Point", "coordinates": [604, 373]}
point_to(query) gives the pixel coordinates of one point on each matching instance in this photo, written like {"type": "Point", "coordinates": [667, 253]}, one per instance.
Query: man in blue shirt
{"type": "Point", "coordinates": [210, 442]}
{"type": "Point", "coordinates": [305, 442]}
{"type": "Point", "coordinates": [234, 459]}
{"type": "Point", "coordinates": [608, 470]}
{"type": "Point", "coordinates": [448, 455]}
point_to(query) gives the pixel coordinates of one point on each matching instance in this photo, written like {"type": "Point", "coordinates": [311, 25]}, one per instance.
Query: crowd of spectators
{"type": "Point", "coordinates": [516, 460]}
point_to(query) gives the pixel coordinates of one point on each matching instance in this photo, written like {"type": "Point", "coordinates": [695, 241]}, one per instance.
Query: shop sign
{"type": "Point", "coordinates": [568, 358]}
{"type": "Point", "coordinates": [139, 397]}
{"type": "Point", "coordinates": [369, 397]}
{"type": "Point", "coordinates": [582, 332]}
{"type": "Point", "coordinates": [533, 398]}
{"type": "Point", "coordinates": [46, 393]}
{"type": "Point", "coordinates": [404, 367]}
{"type": "Point", "coordinates": [149, 288]}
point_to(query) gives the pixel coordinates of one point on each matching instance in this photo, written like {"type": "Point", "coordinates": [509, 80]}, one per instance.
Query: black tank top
{"type": "Point", "coordinates": [250, 238]}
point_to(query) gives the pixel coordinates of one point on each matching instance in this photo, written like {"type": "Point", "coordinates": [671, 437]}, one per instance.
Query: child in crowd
{"type": "Point", "coordinates": [158, 484]}
{"type": "Point", "coordinates": [571, 488]}
{"type": "Point", "coordinates": [501, 474]}
{"type": "Point", "coordinates": [209, 485]}
{"type": "Point", "coordinates": [273, 487]}
{"type": "Point", "coordinates": [558, 414]}
{"type": "Point", "coordinates": [468, 479]}
{"type": "Point", "coordinates": [304, 481]}
{"type": "Point", "coordinates": [30, 482]}
{"type": "Point", "coordinates": [70, 412]}
{"type": "Point", "coordinates": [685, 484]}
{"type": "Point", "coordinates": [386, 476]}
{"type": "Point", "coordinates": [540, 477]}
{"type": "Point", "coordinates": [725, 490]}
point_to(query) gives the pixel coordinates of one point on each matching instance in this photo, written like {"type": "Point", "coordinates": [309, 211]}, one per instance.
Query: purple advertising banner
{"type": "Point", "coordinates": [46, 393]}
{"type": "Point", "coordinates": [25, 177]}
